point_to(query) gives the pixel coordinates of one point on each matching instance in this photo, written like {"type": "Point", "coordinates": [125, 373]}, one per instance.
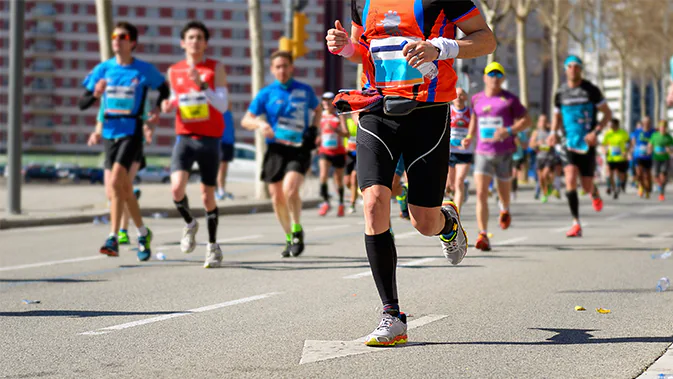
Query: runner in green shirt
{"type": "Point", "coordinates": [615, 143]}
{"type": "Point", "coordinates": [661, 146]}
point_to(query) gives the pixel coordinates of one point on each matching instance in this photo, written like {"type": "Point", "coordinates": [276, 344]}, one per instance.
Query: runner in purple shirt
{"type": "Point", "coordinates": [497, 117]}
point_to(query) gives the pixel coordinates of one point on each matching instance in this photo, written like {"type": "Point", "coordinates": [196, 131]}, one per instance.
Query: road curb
{"type": "Point", "coordinates": [148, 213]}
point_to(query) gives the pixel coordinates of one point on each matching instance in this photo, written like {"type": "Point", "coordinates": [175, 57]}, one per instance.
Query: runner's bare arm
{"type": "Point", "coordinates": [471, 131]}
{"type": "Point", "coordinates": [168, 105]}
{"type": "Point", "coordinates": [343, 129]}
{"type": "Point", "coordinates": [478, 41]}
{"type": "Point", "coordinates": [317, 116]}
{"type": "Point", "coordinates": [607, 116]}
{"type": "Point", "coordinates": [522, 124]}
{"type": "Point", "coordinates": [532, 142]}
{"type": "Point", "coordinates": [219, 98]}
{"type": "Point", "coordinates": [338, 42]}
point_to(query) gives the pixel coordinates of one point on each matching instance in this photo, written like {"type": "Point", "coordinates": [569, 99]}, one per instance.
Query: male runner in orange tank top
{"type": "Point", "coordinates": [199, 98]}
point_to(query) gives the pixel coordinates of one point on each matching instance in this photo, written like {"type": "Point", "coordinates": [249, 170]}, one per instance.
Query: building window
{"type": "Point", "coordinates": [81, 65]}
{"type": "Point", "coordinates": [179, 14]}
{"type": "Point", "coordinates": [132, 12]}
{"type": "Point", "coordinates": [200, 14]}
{"type": "Point", "coordinates": [67, 26]}
{"type": "Point", "coordinates": [238, 16]}
{"type": "Point", "coordinates": [152, 12]}
{"type": "Point", "coordinates": [82, 9]}
{"type": "Point", "coordinates": [81, 27]}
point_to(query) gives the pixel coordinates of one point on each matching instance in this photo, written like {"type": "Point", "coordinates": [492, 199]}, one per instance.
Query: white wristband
{"type": "Point", "coordinates": [448, 48]}
{"type": "Point", "coordinates": [347, 51]}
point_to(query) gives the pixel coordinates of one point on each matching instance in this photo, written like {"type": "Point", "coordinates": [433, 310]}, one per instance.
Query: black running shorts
{"type": "Point", "coordinates": [622, 167]}
{"type": "Point", "coordinates": [351, 159]}
{"type": "Point", "coordinates": [280, 159]}
{"type": "Point", "coordinates": [644, 163]}
{"type": "Point", "coordinates": [124, 151]}
{"type": "Point", "coordinates": [337, 161]}
{"type": "Point", "coordinates": [227, 154]}
{"type": "Point", "coordinates": [205, 151]}
{"type": "Point", "coordinates": [586, 163]}
{"type": "Point", "coordinates": [421, 137]}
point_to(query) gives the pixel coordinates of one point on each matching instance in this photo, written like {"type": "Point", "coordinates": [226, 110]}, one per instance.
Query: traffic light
{"type": "Point", "coordinates": [285, 44]}
{"type": "Point", "coordinates": [299, 22]}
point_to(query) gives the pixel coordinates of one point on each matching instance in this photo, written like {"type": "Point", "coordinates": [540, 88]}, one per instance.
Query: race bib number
{"type": "Point", "coordinates": [615, 151]}
{"type": "Point", "coordinates": [193, 107]}
{"type": "Point", "coordinates": [330, 141]}
{"type": "Point", "coordinates": [120, 100]}
{"type": "Point", "coordinates": [289, 132]}
{"type": "Point", "coordinates": [352, 143]}
{"type": "Point", "coordinates": [458, 135]}
{"type": "Point", "coordinates": [641, 150]}
{"type": "Point", "coordinates": [488, 126]}
{"type": "Point", "coordinates": [544, 148]}
{"type": "Point", "coordinates": [390, 66]}
{"type": "Point", "coordinates": [660, 149]}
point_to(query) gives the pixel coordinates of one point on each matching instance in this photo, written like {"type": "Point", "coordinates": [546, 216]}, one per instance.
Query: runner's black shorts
{"type": "Point", "coordinates": [124, 151]}
{"type": "Point", "coordinates": [205, 151]}
{"type": "Point", "coordinates": [351, 160]}
{"type": "Point", "coordinates": [227, 153]}
{"type": "Point", "coordinates": [460, 158]}
{"type": "Point", "coordinates": [547, 161]}
{"type": "Point", "coordinates": [586, 163]}
{"type": "Point", "coordinates": [421, 137]}
{"type": "Point", "coordinates": [644, 163]}
{"type": "Point", "coordinates": [338, 161]}
{"type": "Point", "coordinates": [280, 159]}
{"type": "Point", "coordinates": [622, 167]}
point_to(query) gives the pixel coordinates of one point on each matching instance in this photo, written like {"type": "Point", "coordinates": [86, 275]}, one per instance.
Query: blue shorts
{"type": "Point", "coordinates": [399, 170]}
{"type": "Point", "coordinates": [457, 158]}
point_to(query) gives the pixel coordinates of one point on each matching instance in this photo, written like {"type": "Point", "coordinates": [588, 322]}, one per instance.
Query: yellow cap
{"type": "Point", "coordinates": [494, 66]}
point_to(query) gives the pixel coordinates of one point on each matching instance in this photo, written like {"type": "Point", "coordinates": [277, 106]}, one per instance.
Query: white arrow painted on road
{"type": "Point", "coordinates": [316, 351]}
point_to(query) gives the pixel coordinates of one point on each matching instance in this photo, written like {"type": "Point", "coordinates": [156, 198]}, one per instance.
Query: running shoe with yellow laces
{"type": "Point", "coordinates": [454, 244]}
{"type": "Point", "coordinates": [392, 330]}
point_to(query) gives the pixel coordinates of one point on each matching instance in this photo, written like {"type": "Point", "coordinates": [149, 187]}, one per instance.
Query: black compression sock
{"type": "Point", "coordinates": [382, 258]}
{"type": "Point", "coordinates": [448, 223]}
{"type": "Point", "coordinates": [341, 195]}
{"type": "Point", "coordinates": [183, 208]}
{"type": "Point", "coordinates": [323, 192]}
{"type": "Point", "coordinates": [212, 218]}
{"type": "Point", "coordinates": [574, 203]}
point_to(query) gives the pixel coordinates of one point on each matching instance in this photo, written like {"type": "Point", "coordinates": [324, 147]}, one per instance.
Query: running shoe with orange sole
{"type": "Point", "coordinates": [483, 243]}
{"type": "Point", "coordinates": [505, 219]}
{"type": "Point", "coordinates": [597, 204]}
{"type": "Point", "coordinates": [575, 231]}
{"type": "Point", "coordinates": [324, 208]}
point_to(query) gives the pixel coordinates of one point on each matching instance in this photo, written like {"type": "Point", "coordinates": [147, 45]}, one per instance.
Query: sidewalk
{"type": "Point", "coordinates": [45, 204]}
{"type": "Point", "coordinates": [58, 204]}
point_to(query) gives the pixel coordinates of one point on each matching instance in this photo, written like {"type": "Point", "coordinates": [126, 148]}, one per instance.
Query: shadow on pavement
{"type": "Point", "coordinates": [78, 313]}
{"type": "Point", "coordinates": [561, 337]}
{"type": "Point", "coordinates": [51, 280]}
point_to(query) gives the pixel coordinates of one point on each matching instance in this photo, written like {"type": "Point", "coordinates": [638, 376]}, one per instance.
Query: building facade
{"type": "Point", "coordinates": [61, 47]}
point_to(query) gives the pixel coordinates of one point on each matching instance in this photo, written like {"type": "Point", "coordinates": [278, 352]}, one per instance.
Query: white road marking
{"type": "Point", "coordinates": [52, 263]}
{"type": "Point", "coordinates": [618, 216]}
{"type": "Point", "coordinates": [413, 233]}
{"type": "Point", "coordinates": [584, 224]}
{"type": "Point", "coordinates": [177, 314]}
{"type": "Point", "coordinates": [510, 241]}
{"type": "Point", "coordinates": [416, 262]}
{"type": "Point", "coordinates": [37, 229]}
{"type": "Point", "coordinates": [327, 227]}
{"type": "Point", "coordinates": [662, 367]}
{"type": "Point", "coordinates": [316, 351]}
{"type": "Point", "coordinates": [226, 240]}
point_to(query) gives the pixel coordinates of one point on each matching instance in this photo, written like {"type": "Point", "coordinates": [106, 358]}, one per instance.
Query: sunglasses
{"type": "Point", "coordinates": [122, 36]}
{"type": "Point", "coordinates": [496, 74]}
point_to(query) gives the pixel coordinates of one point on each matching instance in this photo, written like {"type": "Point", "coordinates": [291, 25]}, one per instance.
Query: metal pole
{"type": "Point", "coordinates": [289, 12]}
{"type": "Point", "coordinates": [256, 53]}
{"type": "Point", "coordinates": [663, 109]}
{"type": "Point", "coordinates": [15, 135]}
{"type": "Point", "coordinates": [104, 20]}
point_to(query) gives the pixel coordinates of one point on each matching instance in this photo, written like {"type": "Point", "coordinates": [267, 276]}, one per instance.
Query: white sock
{"type": "Point", "coordinates": [502, 207]}
{"type": "Point", "coordinates": [142, 231]}
{"type": "Point", "coordinates": [192, 224]}
{"type": "Point", "coordinates": [113, 235]}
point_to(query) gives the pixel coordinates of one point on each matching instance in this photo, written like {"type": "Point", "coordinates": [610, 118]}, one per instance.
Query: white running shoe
{"type": "Point", "coordinates": [188, 241]}
{"type": "Point", "coordinates": [213, 256]}
{"type": "Point", "coordinates": [392, 330]}
{"type": "Point", "coordinates": [454, 245]}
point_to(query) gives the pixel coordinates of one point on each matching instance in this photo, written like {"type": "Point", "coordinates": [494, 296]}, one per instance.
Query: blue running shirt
{"type": "Point", "coordinates": [579, 108]}
{"type": "Point", "coordinates": [287, 108]}
{"type": "Point", "coordinates": [125, 93]}
{"type": "Point", "coordinates": [228, 137]}
{"type": "Point", "coordinates": [642, 140]}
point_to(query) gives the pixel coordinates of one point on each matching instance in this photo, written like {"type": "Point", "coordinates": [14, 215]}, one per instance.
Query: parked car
{"type": "Point", "coordinates": [241, 169]}
{"type": "Point", "coordinates": [39, 172]}
{"type": "Point", "coordinates": [153, 174]}
{"type": "Point", "coordinates": [92, 174]}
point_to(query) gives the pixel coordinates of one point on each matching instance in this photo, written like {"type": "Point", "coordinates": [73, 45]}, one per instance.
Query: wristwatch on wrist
{"type": "Point", "coordinates": [439, 51]}
{"type": "Point", "coordinates": [204, 86]}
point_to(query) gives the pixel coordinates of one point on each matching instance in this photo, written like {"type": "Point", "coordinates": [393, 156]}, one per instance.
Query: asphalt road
{"type": "Point", "coordinates": [508, 313]}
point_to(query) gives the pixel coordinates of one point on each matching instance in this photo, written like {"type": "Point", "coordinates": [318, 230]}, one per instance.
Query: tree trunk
{"type": "Point", "coordinates": [642, 87]}
{"type": "Point", "coordinates": [657, 102]}
{"type": "Point", "coordinates": [522, 66]}
{"type": "Point", "coordinates": [490, 17]}
{"type": "Point", "coordinates": [554, 66]}
{"type": "Point", "coordinates": [622, 90]}
{"type": "Point", "coordinates": [257, 56]}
